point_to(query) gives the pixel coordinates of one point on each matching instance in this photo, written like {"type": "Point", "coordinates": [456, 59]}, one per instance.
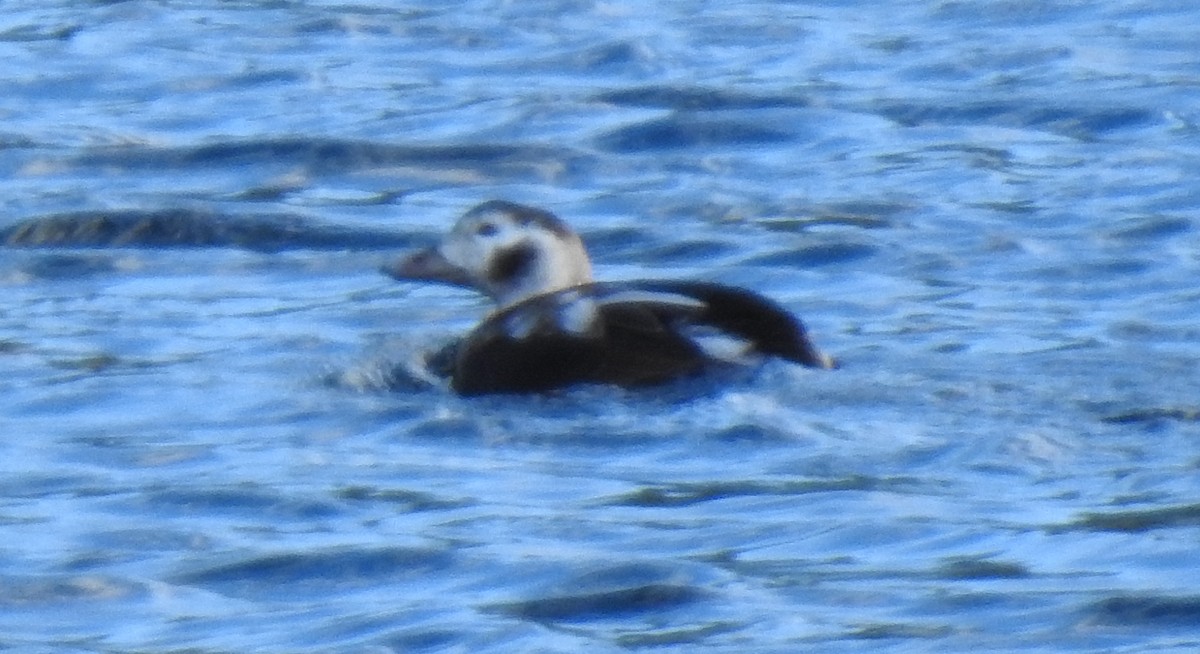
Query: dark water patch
{"type": "Point", "coordinates": [39, 32]}
{"type": "Point", "coordinates": [901, 631]}
{"type": "Point", "coordinates": [9, 346]}
{"type": "Point", "coordinates": [43, 486]}
{"type": "Point", "coordinates": [694, 634]}
{"type": "Point", "coordinates": [1137, 521]}
{"type": "Point", "coordinates": [1014, 207]}
{"type": "Point", "coordinates": [316, 155]}
{"type": "Point", "coordinates": [280, 192]}
{"type": "Point", "coordinates": [446, 429]}
{"type": "Point", "coordinates": [68, 266]}
{"type": "Point", "coordinates": [406, 500]}
{"type": "Point", "coordinates": [697, 98]}
{"type": "Point", "coordinates": [1153, 415]}
{"type": "Point", "coordinates": [981, 568]}
{"type": "Point", "coordinates": [421, 640]}
{"type": "Point", "coordinates": [812, 256]}
{"type": "Point", "coordinates": [690, 251]}
{"type": "Point", "coordinates": [287, 574]}
{"type": "Point", "coordinates": [1149, 332]}
{"type": "Point", "coordinates": [895, 45]}
{"type": "Point", "coordinates": [268, 193]}
{"type": "Point", "coordinates": [16, 142]}
{"type": "Point", "coordinates": [99, 364]}
{"type": "Point", "coordinates": [1118, 267]}
{"type": "Point", "coordinates": [752, 433]}
{"type": "Point", "coordinates": [246, 499]}
{"type": "Point", "coordinates": [1086, 274]}
{"type": "Point", "coordinates": [613, 56]}
{"type": "Point", "coordinates": [610, 593]}
{"type": "Point", "coordinates": [877, 213]}
{"type": "Point", "coordinates": [694, 493]}
{"type": "Point", "coordinates": [194, 228]}
{"type": "Point", "coordinates": [1135, 611]}
{"type": "Point", "coordinates": [650, 598]}
{"type": "Point", "coordinates": [259, 78]}
{"type": "Point", "coordinates": [861, 216]}
{"type": "Point", "coordinates": [682, 131]}
{"type": "Point", "coordinates": [1083, 122]}
{"type": "Point", "coordinates": [1151, 228]}
{"type": "Point", "coordinates": [91, 363]}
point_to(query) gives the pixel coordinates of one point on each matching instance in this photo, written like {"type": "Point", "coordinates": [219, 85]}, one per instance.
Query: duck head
{"type": "Point", "coordinates": [509, 251]}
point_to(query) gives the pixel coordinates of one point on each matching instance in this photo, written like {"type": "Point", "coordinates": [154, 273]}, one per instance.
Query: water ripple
{"type": "Point", "coordinates": [214, 440]}
{"type": "Point", "coordinates": [284, 575]}
{"type": "Point", "coordinates": [187, 228]}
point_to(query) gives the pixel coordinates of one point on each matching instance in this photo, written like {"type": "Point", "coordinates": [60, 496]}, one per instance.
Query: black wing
{"type": "Point", "coordinates": [627, 333]}
{"type": "Point", "coordinates": [574, 336]}
{"type": "Point", "coordinates": [766, 325]}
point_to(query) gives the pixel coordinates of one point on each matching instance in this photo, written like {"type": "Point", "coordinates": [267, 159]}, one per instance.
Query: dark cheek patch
{"type": "Point", "coordinates": [511, 264]}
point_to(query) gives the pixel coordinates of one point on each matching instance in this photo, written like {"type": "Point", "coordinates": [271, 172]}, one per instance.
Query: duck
{"type": "Point", "coordinates": [554, 326]}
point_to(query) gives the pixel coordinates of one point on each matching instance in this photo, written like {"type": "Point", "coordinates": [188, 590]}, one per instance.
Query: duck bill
{"type": "Point", "coordinates": [428, 265]}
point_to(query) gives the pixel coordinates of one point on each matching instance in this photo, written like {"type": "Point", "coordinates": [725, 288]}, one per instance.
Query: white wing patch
{"type": "Point", "coordinates": [658, 299]}
{"type": "Point", "coordinates": [569, 313]}
{"type": "Point", "coordinates": [720, 345]}
{"type": "Point", "coordinates": [577, 314]}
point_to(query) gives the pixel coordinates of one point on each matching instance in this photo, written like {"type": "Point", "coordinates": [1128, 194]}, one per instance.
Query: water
{"type": "Point", "coordinates": [986, 210]}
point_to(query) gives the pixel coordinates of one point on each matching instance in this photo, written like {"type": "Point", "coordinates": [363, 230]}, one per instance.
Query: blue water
{"type": "Point", "coordinates": [987, 210]}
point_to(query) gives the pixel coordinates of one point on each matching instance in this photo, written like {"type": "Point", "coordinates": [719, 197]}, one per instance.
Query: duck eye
{"type": "Point", "coordinates": [485, 229]}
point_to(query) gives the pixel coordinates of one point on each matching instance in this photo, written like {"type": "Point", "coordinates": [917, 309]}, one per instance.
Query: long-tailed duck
{"type": "Point", "coordinates": [555, 327]}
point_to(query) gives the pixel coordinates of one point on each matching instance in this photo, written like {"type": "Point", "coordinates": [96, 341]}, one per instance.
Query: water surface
{"type": "Point", "coordinates": [986, 210]}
